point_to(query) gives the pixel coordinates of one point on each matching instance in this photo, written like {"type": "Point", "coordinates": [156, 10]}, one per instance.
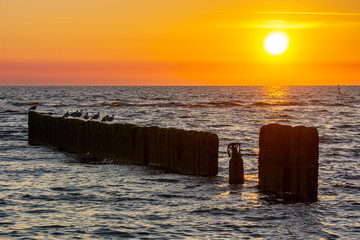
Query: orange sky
{"type": "Point", "coordinates": [178, 42]}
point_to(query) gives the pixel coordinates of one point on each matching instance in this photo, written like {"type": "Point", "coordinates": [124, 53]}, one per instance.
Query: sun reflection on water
{"type": "Point", "coordinates": [275, 94]}
{"type": "Point", "coordinates": [275, 100]}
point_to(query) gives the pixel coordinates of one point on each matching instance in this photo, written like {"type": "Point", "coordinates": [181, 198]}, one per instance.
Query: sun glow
{"type": "Point", "coordinates": [276, 43]}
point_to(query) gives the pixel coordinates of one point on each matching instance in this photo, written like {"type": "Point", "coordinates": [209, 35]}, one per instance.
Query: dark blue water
{"type": "Point", "coordinates": [47, 194]}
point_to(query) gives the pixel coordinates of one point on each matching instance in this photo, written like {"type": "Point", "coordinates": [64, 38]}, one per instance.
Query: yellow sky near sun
{"type": "Point", "coordinates": [187, 42]}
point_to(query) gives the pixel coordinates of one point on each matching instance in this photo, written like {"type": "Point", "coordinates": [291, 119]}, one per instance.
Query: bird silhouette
{"type": "Point", "coordinates": [66, 114]}
{"type": "Point", "coordinates": [109, 119]}
{"type": "Point", "coordinates": [105, 118]}
{"type": "Point", "coordinates": [32, 108]}
{"type": "Point", "coordinates": [78, 114]}
{"type": "Point", "coordinates": [96, 116]}
{"type": "Point", "coordinates": [86, 116]}
{"type": "Point", "coordinates": [73, 114]}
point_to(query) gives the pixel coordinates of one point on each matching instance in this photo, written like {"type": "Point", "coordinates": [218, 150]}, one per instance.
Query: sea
{"type": "Point", "coordinates": [49, 194]}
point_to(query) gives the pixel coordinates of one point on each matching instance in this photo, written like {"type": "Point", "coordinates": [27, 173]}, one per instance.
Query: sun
{"type": "Point", "coordinates": [276, 43]}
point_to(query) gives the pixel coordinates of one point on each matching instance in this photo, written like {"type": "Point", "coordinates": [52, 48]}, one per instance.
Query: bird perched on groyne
{"type": "Point", "coordinates": [105, 118]}
{"type": "Point", "coordinates": [66, 114]}
{"type": "Point", "coordinates": [78, 114]}
{"type": "Point", "coordinates": [33, 108]}
{"type": "Point", "coordinates": [73, 114]}
{"type": "Point", "coordinates": [109, 119]}
{"type": "Point", "coordinates": [86, 116]}
{"type": "Point", "coordinates": [96, 116]}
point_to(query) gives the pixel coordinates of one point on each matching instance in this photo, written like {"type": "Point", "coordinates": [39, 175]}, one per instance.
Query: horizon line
{"type": "Point", "coordinates": [178, 85]}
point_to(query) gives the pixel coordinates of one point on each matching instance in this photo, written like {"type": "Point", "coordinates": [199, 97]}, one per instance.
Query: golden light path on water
{"type": "Point", "coordinates": [278, 97]}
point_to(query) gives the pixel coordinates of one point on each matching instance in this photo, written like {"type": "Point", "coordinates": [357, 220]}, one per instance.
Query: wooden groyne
{"type": "Point", "coordinates": [185, 152]}
{"type": "Point", "coordinates": [289, 161]}
{"type": "Point", "coordinates": [288, 156]}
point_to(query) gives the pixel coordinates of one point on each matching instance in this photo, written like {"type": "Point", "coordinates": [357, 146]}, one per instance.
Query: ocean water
{"type": "Point", "coordinates": [48, 194]}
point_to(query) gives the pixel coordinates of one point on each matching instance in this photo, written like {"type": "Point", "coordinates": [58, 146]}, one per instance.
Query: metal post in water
{"type": "Point", "coordinates": [236, 164]}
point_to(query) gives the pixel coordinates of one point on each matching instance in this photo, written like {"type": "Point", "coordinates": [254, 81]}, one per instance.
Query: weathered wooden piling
{"type": "Point", "coordinates": [140, 148]}
{"type": "Point", "coordinates": [128, 133]}
{"type": "Point", "coordinates": [162, 147]}
{"type": "Point", "coordinates": [289, 161]}
{"type": "Point", "coordinates": [75, 136]}
{"type": "Point", "coordinates": [186, 152]}
{"type": "Point", "coordinates": [208, 151]}
{"type": "Point", "coordinates": [236, 164]}
{"type": "Point", "coordinates": [152, 144]}
{"type": "Point", "coordinates": [62, 134]}
{"type": "Point", "coordinates": [31, 129]}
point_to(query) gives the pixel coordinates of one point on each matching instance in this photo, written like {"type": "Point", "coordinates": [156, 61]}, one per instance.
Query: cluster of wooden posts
{"type": "Point", "coordinates": [289, 161]}
{"type": "Point", "coordinates": [185, 152]}
{"type": "Point", "coordinates": [288, 157]}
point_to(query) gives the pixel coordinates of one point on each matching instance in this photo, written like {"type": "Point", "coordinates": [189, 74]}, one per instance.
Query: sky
{"type": "Point", "coordinates": [178, 42]}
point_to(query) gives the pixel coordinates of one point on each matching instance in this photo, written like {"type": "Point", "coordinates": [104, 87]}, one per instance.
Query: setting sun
{"type": "Point", "coordinates": [188, 42]}
{"type": "Point", "coordinates": [276, 43]}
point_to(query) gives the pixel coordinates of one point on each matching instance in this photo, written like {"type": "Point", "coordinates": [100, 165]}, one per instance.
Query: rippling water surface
{"type": "Point", "coordinates": [49, 194]}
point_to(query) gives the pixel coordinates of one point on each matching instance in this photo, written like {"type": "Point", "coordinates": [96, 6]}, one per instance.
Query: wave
{"type": "Point", "coordinates": [220, 125]}
{"type": "Point", "coordinates": [113, 104]}
{"type": "Point", "coordinates": [169, 104]}
{"type": "Point", "coordinates": [335, 104]}
{"type": "Point", "coordinates": [224, 104]}
{"type": "Point", "coordinates": [285, 116]}
{"type": "Point", "coordinates": [346, 126]}
{"type": "Point", "coordinates": [9, 111]}
{"type": "Point", "coordinates": [160, 98]}
{"type": "Point", "coordinates": [283, 120]}
{"type": "Point", "coordinates": [22, 104]}
{"type": "Point", "coordinates": [276, 104]}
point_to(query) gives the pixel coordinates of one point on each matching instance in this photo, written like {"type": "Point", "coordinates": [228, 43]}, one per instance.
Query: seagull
{"type": "Point", "coordinates": [78, 114]}
{"type": "Point", "coordinates": [73, 114]}
{"type": "Point", "coordinates": [86, 116]}
{"type": "Point", "coordinates": [66, 114]}
{"type": "Point", "coordinates": [109, 119]}
{"type": "Point", "coordinates": [96, 116]}
{"type": "Point", "coordinates": [105, 118]}
{"type": "Point", "coordinates": [32, 108]}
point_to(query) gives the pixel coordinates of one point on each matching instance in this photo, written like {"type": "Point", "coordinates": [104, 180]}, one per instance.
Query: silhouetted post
{"type": "Point", "coordinates": [289, 161]}
{"type": "Point", "coordinates": [236, 165]}
{"type": "Point", "coordinates": [209, 148]}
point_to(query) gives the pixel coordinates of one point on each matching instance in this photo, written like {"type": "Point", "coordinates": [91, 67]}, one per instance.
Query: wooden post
{"type": "Point", "coordinates": [113, 143]}
{"type": "Point", "coordinates": [86, 137]}
{"type": "Point", "coordinates": [128, 133]}
{"type": "Point", "coordinates": [288, 161]}
{"type": "Point", "coordinates": [209, 154]}
{"type": "Point", "coordinates": [75, 135]}
{"type": "Point", "coordinates": [176, 149]}
{"type": "Point", "coordinates": [140, 146]}
{"type": "Point", "coordinates": [187, 152]}
{"type": "Point", "coordinates": [31, 128]}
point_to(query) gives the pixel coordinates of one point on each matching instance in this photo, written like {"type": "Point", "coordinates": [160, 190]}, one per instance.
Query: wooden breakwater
{"type": "Point", "coordinates": [185, 152]}
{"type": "Point", "coordinates": [289, 161]}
